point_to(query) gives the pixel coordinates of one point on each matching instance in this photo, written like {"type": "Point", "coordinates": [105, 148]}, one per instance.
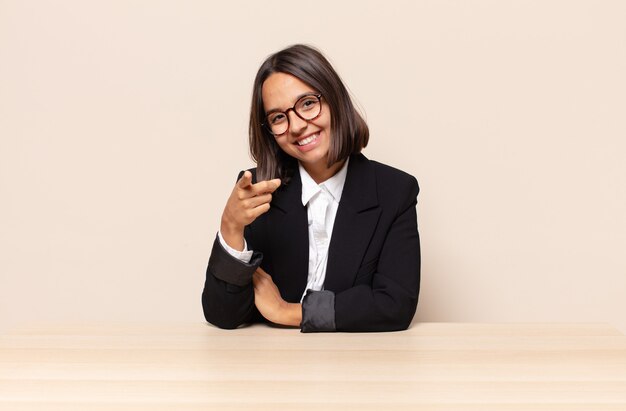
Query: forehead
{"type": "Point", "coordinates": [281, 90]}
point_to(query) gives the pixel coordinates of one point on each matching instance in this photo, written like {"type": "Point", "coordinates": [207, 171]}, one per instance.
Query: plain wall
{"type": "Point", "coordinates": [123, 125]}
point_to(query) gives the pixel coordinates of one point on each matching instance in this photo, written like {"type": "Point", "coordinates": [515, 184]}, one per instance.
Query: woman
{"type": "Point", "coordinates": [316, 236]}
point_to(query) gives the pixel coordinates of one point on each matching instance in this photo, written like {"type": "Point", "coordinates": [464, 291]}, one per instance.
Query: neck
{"type": "Point", "coordinates": [320, 173]}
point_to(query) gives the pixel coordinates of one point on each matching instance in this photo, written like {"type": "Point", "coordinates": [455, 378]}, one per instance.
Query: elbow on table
{"type": "Point", "coordinates": [398, 309]}
{"type": "Point", "coordinates": [219, 316]}
{"type": "Point", "coordinates": [397, 312]}
{"type": "Point", "coordinates": [400, 321]}
{"type": "Point", "coordinates": [220, 321]}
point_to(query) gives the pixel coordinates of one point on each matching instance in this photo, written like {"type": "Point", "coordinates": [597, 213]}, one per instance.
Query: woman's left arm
{"type": "Point", "coordinates": [389, 302]}
{"type": "Point", "coordinates": [384, 296]}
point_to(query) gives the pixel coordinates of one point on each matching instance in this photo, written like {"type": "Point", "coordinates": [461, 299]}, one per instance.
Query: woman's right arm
{"type": "Point", "coordinates": [228, 295]}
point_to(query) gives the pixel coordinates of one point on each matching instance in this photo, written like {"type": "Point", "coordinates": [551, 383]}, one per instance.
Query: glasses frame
{"type": "Point", "coordinates": [286, 113]}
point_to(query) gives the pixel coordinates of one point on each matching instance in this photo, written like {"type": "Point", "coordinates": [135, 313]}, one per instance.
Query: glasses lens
{"type": "Point", "coordinates": [277, 123]}
{"type": "Point", "coordinates": [308, 107]}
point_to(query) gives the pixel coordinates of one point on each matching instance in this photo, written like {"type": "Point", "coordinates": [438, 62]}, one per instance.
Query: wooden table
{"type": "Point", "coordinates": [432, 366]}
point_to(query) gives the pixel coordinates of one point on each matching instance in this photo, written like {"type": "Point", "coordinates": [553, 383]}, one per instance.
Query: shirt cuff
{"type": "Point", "coordinates": [244, 255]}
{"type": "Point", "coordinates": [318, 311]}
{"type": "Point", "coordinates": [230, 269]}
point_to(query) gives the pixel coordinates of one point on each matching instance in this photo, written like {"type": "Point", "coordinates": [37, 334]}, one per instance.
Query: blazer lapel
{"type": "Point", "coordinates": [356, 219]}
{"type": "Point", "coordinates": [289, 239]}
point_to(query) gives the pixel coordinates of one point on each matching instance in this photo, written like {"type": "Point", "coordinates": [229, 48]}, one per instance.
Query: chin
{"type": "Point", "coordinates": [312, 158]}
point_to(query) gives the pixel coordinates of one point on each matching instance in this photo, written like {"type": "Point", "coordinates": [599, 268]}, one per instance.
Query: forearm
{"type": "Point", "coordinates": [228, 296]}
{"type": "Point", "coordinates": [387, 308]}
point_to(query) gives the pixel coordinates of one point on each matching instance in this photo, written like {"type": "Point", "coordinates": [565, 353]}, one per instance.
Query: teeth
{"type": "Point", "coordinates": [308, 140]}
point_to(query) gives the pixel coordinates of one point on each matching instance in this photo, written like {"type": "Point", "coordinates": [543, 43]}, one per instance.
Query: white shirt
{"type": "Point", "coordinates": [322, 202]}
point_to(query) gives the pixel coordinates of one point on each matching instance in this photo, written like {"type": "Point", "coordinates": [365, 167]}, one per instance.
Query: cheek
{"type": "Point", "coordinates": [327, 124]}
{"type": "Point", "coordinates": [283, 144]}
{"type": "Point", "coordinates": [328, 130]}
{"type": "Point", "coordinates": [324, 123]}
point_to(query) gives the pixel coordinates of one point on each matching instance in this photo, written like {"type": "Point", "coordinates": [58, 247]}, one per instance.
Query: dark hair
{"type": "Point", "coordinates": [348, 129]}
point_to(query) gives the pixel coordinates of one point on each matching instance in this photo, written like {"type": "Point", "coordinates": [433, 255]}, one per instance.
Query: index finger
{"type": "Point", "coordinates": [245, 180]}
{"type": "Point", "coordinates": [266, 186]}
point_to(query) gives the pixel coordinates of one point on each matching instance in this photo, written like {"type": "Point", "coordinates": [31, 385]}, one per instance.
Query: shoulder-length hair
{"type": "Point", "coordinates": [349, 132]}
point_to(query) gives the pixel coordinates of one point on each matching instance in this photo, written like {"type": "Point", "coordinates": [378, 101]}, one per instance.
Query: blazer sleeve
{"type": "Point", "coordinates": [228, 294]}
{"type": "Point", "coordinates": [389, 303]}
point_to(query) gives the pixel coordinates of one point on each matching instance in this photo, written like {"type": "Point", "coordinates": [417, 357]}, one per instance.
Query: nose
{"type": "Point", "coordinates": [296, 124]}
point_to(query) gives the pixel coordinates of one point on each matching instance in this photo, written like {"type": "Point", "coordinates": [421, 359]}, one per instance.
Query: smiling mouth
{"type": "Point", "coordinates": [308, 140]}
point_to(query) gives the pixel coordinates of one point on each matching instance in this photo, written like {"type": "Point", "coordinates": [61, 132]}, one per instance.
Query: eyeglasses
{"type": "Point", "coordinates": [308, 107]}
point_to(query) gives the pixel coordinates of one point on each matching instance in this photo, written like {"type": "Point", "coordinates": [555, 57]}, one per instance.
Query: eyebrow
{"type": "Point", "coordinates": [308, 93]}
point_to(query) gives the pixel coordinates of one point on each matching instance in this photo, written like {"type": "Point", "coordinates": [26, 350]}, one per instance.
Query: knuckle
{"type": "Point", "coordinates": [257, 189]}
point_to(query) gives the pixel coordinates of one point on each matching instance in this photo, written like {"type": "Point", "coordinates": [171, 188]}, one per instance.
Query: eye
{"type": "Point", "coordinates": [308, 103]}
{"type": "Point", "coordinates": [276, 118]}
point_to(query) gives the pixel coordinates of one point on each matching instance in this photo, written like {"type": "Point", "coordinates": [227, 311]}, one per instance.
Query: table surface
{"type": "Point", "coordinates": [431, 366]}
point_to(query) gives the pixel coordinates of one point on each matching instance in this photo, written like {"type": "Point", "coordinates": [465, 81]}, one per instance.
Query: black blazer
{"type": "Point", "coordinates": [373, 262]}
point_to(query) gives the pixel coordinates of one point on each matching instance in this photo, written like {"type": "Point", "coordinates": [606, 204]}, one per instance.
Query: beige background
{"type": "Point", "coordinates": [123, 126]}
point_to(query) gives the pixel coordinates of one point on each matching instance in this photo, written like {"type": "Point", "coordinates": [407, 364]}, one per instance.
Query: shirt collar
{"type": "Point", "coordinates": [334, 185]}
